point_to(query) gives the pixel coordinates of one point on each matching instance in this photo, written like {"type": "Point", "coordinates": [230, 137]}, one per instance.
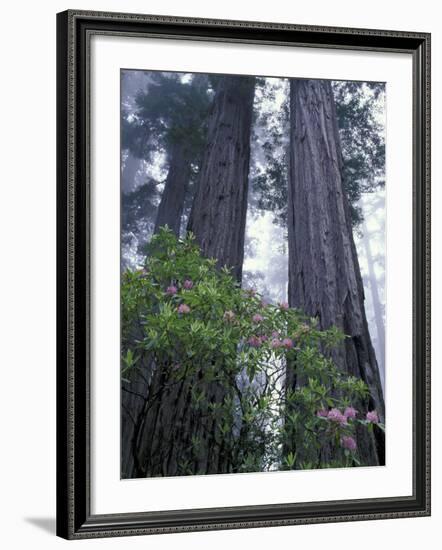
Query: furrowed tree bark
{"type": "Point", "coordinates": [133, 397]}
{"type": "Point", "coordinates": [218, 215]}
{"type": "Point", "coordinates": [171, 206]}
{"type": "Point", "coordinates": [218, 218]}
{"type": "Point", "coordinates": [324, 275]}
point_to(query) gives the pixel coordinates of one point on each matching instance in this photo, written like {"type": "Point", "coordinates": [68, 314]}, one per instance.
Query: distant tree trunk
{"type": "Point", "coordinates": [181, 154]}
{"type": "Point", "coordinates": [218, 215]}
{"type": "Point", "coordinates": [171, 206]}
{"type": "Point", "coordinates": [129, 172]}
{"type": "Point", "coordinates": [377, 307]}
{"type": "Point", "coordinates": [324, 276]}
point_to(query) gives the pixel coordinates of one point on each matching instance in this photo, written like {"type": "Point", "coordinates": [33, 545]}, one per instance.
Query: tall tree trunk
{"type": "Point", "coordinates": [181, 155]}
{"type": "Point", "coordinates": [324, 276]}
{"type": "Point", "coordinates": [378, 316]}
{"type": "Point", "coordinates": [171, 205]}
{"type": "Point", "coordinates": [218, 220]}
{"type": "Point", "coordinates": [218, 215]}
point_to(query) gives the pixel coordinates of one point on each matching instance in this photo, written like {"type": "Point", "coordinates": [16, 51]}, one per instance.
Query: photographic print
{"type": "Point", "coordinates": [243, 273]}
{"type": "Point", "coordinates": [252, 274]}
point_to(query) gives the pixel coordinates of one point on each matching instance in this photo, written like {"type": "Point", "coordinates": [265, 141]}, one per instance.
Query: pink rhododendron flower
{"type": "Point", "coordinates": [264, 337]}
{"type": "Point", "coordinates": [275, 334]}
{"type": "Point", "coordinates": [188, 285]}
{"type": "Point", "coordinates": [348, 442]}
{"type": "Point", "coordinates": [372, 416]}
{"type": "Point", "coordinates": [283, 305]}
{"type": "Point", "coordinates": [350, 412]}
{"type": "Point", "coordinates": [287, 343]}
{"type": "Point", "coordinates": [171, 290]}
{"type": "Point", "coordinates": [322, 413]}
{"type": "Point", "coordinates": [335, 415]}
{"type": "Point", "coordinates": [183, 308]}
{"type": "Point", "coordinates": [257, 318]}
{"type": "Point", "coordinates": [228, 316]}
{"type": "Point", "coordinates": [275, 343]}
{"type": "Point", "coordinates": [254, 341]}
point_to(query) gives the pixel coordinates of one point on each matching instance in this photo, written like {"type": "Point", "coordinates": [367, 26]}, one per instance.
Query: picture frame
{"type": "Point", "coordinates": [75, 518]}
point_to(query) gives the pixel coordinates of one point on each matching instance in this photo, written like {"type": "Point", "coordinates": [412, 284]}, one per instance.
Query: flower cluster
{"type": "Point", "coordinates": [254, 341]}
{"type": "Point", "coordinates": [172, 290]}
{"type": "Point", "coordinates": [372, 416]}
{"type": "Point", "coordinates": [335, 415]}
{"type": "Point", "coordinates": [348, 442]}
{"type": "Point", "coordinates": [342, 418]}
{"type": "Point", "coordinates": [350, 412]}
{"type": "Point", "coordinates": [275, 342]}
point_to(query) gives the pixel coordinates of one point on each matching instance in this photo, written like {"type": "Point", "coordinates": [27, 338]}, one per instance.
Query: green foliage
{"type": "Point", "coordinates": [272, 130]}
{"type": "Point", "coordinates": [198, 326]}
{"type": "Point", "coordinates": [138, 205]}
{"type": "Point", "coordinates": [170, 111]}
{"type": "Point", "coordinates": [359, 109]}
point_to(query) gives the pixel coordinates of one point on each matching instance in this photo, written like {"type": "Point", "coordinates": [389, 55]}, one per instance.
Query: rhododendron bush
{"type": "Point", "coordinates": [193, 323]}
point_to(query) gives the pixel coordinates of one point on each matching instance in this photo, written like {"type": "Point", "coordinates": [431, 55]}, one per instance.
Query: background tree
{"type": "Point", "coordinates": [371, 254]}
{"type": "Point", "coordinates": [324, 276]}
{"type": "Point", "coordinates": [271, 138]}
{"type": "Point", "coordinates": [164, 125]}
{"type": "Point", "coordinates": [359, 111]}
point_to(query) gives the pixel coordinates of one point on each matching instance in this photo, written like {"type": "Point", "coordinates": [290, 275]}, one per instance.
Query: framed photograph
{"type": "Point", "coordinates": [243, 274]}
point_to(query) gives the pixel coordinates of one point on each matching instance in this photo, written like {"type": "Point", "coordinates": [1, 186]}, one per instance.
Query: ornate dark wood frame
{"type": "Point", "coordinates": [74, 30]}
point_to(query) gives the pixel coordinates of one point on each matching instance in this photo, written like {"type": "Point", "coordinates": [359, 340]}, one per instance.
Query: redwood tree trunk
{"type": "Point", "coordinates": [171, 206]}
{"type": "Point", "coordinates": [324, 276]}
{"type": "Point", "coordinates": [218, 215]}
